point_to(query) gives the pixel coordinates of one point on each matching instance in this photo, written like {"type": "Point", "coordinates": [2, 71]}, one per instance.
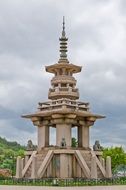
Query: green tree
{"type": "Point", "coordinates": [8, 154]}
{"type": "Point", "coordinates": [74, 142]}
{"type": "Point", "coordinates": [117, 154]}
{"type": "Point", "coordinates": [20, 153]}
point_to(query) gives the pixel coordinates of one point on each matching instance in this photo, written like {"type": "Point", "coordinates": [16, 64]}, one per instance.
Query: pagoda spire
{"type": "Point", "coordinates": [63, 45]}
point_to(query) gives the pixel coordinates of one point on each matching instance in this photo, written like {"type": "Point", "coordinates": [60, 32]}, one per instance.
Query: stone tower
{"type": "Point", "coordinates": [63, 111]}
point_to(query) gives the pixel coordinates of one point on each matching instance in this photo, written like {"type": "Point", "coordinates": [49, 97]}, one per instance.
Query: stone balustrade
{"type": "Point", "coordinates": [59, 104]}
{"type": "Point", "coordinates": [63, 92]}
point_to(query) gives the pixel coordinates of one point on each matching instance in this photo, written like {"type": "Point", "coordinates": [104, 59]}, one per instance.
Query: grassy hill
{"type": "Point", "coordinates": [8, 153]}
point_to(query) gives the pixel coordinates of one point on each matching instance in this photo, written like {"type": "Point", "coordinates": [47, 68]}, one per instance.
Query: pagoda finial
{"type": "Point", "coordinates": [63, 45]}
{"type": "Point", "coordinates": [63, 32]}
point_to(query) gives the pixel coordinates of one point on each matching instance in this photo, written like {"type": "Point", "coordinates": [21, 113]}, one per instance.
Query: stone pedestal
{"type": "Point", "coordinates": [19, 167]}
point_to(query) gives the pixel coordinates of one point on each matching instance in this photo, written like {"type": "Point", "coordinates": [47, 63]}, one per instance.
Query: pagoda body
{"type": "Point", "coordinates": [63, 111]}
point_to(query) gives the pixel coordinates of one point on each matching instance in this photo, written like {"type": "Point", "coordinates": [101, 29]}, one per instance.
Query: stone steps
{"type": "Point", "coordinates": [28, 173]}
{"type": "Point", "coordinates": [87, 158]}
{"type": "Point", "coordinates": [40, 158]}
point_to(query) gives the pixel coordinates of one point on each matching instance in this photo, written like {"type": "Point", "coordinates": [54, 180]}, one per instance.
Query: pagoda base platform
{"type": "Point", "coordinates": [63, 163]}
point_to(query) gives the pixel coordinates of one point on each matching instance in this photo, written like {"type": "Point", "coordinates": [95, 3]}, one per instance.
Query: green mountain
{"type": "Point", "coordinates": [9, 152]}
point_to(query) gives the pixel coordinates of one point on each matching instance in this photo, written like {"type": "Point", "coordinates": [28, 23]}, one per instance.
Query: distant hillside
{"type": "Point", "coordinates": [10, 145]}
{"type": "Point", "coordinates": [9, 152]}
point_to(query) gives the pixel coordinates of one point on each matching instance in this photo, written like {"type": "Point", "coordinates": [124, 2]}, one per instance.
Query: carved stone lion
{"type": "Point", "coordinates": [30, 145]}
{"type": "Point", "coordinates": [63, 142]}
{"type": "Point", "coordinates": [97, 146]}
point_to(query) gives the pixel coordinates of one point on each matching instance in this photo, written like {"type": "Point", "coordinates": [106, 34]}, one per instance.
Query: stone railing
{"type": "Point", "coordinates": [63, 103]}
{"type": "Point", "coordinates": [61, 89]}
{"type": "Point", "coordinates": [63, 92]}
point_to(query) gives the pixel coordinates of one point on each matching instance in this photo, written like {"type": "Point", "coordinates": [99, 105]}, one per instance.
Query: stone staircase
{"type": "Point", "coordinates": [87, 157]}
{"type": "Point", "coordinates": [40, 157]}
{"type": "Point", "coordinates": [28, 173]}
{"type": "Point", "coordinates": [42, 166]}
{"type": "Point", "coordinates": [99, 173]}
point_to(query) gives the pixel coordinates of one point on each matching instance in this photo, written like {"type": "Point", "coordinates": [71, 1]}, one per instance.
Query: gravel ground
{"type": "Point", "coordinates": [61, 188]}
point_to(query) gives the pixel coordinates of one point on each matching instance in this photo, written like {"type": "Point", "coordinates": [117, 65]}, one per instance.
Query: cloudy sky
{"type": "Point", "coordinates": [29, 40]}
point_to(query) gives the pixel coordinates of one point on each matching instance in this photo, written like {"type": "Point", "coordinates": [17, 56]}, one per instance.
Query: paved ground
{"type": "Point", "coordinates": [62, 188]}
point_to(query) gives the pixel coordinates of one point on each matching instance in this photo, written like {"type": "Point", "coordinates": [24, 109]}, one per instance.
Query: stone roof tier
{"type": "Point", "coordinates": [68, 66]}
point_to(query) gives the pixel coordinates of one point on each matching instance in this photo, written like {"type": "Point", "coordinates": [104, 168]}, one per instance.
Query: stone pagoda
{"type": "Point", "coordinates": [63, 111]}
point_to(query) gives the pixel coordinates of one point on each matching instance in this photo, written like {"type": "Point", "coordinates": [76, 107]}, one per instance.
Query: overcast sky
{"type": "Point", "coordinates": [29, 40]}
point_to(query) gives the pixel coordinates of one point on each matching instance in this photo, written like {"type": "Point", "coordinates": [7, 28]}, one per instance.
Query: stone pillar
{"type": "Point", "coordinates": [63, 131]}
{"type": "Point", "coordinates": [93, 168]}
{"type": "Point", "coordinates": [79, 131]}
{"type": "Point", "coordinates": [64, 166]}
{"type": "Point", "coordinates": [43, 136]}
{"type": "Point", "coordinates": [78, 170]}
{"type": "Point", "coordinates": [85, 136]}
{"type": "Point", "coordinates": [64, 71]}
{"type": "Point", "coordinates": [34, 168]}
{"type": "Point", "coordinates": [108, 167]}
{"type": "Point", "coordinates": [74, 166]}
{"type": "Point", "coordinates": [103, 163]}
{"type": "Point", "coordinates": [67, 85]}
{"type": "Point", "coordinates": [23, 163]}
{"type": "Point", "coordinates": [49, 170]}
{"type": "Point", "coordinates": [19, 167]}
{"type": "Point", "coordinates": [26, 159]}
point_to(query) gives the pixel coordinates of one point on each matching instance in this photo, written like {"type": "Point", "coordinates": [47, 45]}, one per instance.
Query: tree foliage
{"type": "Point", "coordinates": [118, 156]}
{"type": "Point", "coordinates": [9, 152]}
{"type": "Point", "coordinates": [74, 142]}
